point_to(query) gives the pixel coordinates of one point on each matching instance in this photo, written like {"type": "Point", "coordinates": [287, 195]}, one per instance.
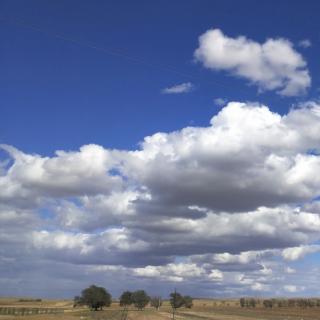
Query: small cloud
{"type": "Point", "coordinates": [296, 253]}
{"type": "Point", "coordinates": [220, 102]}
{"type": "Point", "coordinates": [266, 271]}
{"type": "Point", "coordinates": [179, 88]}
{"type": "Point", "coordinates": [305, 43]}
{"type": "Point", "coordinates": [290, 288]}
{"type": "Point", "coordinates": [289, 270]}
{"type": "Point", "coordinates": [216, 275]}
{"type": "Point", "coordinates": [259, 287]}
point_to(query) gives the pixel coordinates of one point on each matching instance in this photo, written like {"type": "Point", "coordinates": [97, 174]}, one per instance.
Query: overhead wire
{"type": "Point", "coordinates": [109, 51]}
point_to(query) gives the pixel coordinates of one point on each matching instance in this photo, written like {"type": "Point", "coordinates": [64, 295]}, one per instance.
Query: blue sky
{"type": "Point", "coordinates": [61, 94]}
{"type": "Point", "coordinates": [184, 131]}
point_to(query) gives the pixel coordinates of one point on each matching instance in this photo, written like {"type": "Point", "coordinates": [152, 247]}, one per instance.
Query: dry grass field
{"type": "Point", "coordinates": [203, 309]}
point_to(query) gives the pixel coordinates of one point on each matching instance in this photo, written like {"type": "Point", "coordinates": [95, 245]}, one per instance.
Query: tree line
{"type": "Point", "coordinates": [279, 303]}
{"type": "Point", "coordinates": [98, 297]}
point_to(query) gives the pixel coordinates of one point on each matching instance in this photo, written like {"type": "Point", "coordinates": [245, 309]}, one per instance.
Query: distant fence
{"type": "Point", "coordinates": [28, 311]}
{"type": "Point", "coordinates": [279, 302]}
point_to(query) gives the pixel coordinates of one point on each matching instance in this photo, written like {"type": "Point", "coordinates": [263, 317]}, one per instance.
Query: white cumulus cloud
{"type": "Point", "coordinates": [272, 65]}
{"type": "Point", "coordinates": [210, 207]}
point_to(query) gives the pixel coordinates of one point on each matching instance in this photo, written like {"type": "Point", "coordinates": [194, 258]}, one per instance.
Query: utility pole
{"type": "Point", "coordinates": [124, 313]}
{"type": "Point", "coordinates": [174, 303]}
{"type": "Point", "coordinates": [158, 304]}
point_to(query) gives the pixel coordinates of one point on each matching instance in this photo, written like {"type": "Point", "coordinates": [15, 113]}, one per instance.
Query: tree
{"type": "Point", "coordinates": [77, 301]}
{"type": "Point", "coordinates": [187, 302]}
{"type": "Point", "coordinates": [140, 299]}
{"type": "Point", "coordinates": [242, 302]}
{"type": "Point", "coordinates": [252, 303]}
{"type": "Point", "coordinates": [267, 303]}
{"type": "Point", "coordinates": [176, 300]}
{"type": "Point", "coordinates": [95, 297]}
{"type": "Point", "coordinates": [156, 302]}
{"type": "Point", "coordinates": [126, 299]}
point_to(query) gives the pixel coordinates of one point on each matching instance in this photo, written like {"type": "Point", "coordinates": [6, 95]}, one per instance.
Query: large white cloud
{"type": "Point", "coordinates": [67, 174]}
{"type": "Point", "coordinates": [230, 205]}
{"type": "Point", "coordinates": [248, 157]}
{"type": "Point", "coordinates": [272, 65]}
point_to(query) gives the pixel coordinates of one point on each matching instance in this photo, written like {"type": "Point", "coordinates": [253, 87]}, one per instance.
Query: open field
{"type": "Point", "coordinates": [204, 309]}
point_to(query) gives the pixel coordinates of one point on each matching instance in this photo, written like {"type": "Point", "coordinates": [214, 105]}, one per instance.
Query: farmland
{"type": "Point", "coordinates": [203, 309]}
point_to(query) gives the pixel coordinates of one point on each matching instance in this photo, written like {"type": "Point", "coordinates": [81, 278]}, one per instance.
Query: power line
{"type": "Point", "coordinates": [109, 51]}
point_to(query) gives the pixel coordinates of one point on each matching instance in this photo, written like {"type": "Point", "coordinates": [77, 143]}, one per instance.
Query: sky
{"type": "Point", "coordinates": [158, 145]}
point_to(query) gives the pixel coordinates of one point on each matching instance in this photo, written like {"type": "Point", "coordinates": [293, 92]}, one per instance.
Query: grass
{"type": "Point", "coordinates": [204, 309]}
